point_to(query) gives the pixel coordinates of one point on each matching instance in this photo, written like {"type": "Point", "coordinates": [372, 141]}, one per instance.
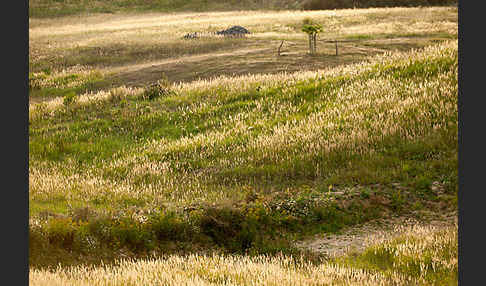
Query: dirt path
{"type": "Point", "coordinates": [359, 237]}
{"type": "Point", "coordinates": [187, 59]}
{"type": "Point", "coordinates": [139, 74]}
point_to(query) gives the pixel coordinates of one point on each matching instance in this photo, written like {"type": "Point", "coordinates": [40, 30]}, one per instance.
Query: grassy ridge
{"type": "Point", "coordinates": [265, 156]}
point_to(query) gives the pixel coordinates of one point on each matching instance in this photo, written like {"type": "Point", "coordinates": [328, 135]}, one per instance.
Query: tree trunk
{"type": "Point", "coordinates": [314, 38]}
{"type": "Point", "coordinates": [310, 43]}
{"type": "Point", "coordinates": [313, 43]}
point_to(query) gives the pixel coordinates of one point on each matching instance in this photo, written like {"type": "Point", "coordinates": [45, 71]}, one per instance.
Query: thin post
{"type": "Point", "coordinates": [315, 42]}
{"type": "Point", "coordinates": [278, 51]}
{"type": "Point", "coordinates": [335, 41]}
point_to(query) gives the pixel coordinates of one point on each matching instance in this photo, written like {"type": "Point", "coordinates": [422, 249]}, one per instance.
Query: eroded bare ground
{"type": "Point", "coordinates": [357, 238]}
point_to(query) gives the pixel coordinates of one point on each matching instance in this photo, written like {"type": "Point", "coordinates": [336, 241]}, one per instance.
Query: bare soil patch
{"type": "Point", "coordinates": [357, 238]}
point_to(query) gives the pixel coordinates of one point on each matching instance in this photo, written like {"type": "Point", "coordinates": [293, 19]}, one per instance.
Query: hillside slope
{"type": "Point", "coordinates": [238, 160]}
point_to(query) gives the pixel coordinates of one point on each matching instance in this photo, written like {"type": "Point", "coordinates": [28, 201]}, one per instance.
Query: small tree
{"type": "Point", "coordinates": [312, 29]}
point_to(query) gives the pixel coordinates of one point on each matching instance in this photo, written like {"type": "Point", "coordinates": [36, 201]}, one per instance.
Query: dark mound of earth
{"type": "Point", "coordinates": [235, 30]}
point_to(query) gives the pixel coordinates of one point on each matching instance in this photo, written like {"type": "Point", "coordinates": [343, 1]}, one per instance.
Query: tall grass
{"type": "Point", "coordinates": [420, 255]}
{"type": "Point", "coordinates": [251, 156]}
{"type": "Point", "coordinates": [237, 162]}
{"type": "Point", "coordinates": [281, 130]}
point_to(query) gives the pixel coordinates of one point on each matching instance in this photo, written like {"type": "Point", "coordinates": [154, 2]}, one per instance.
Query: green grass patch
{"type": "Point", "coordinates": [50, 84]}
{"type": "Point", "coordinates": [419, 258]}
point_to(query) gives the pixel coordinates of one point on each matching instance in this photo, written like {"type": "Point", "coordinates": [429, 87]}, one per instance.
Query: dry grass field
{"type": "Point", "coordinates": [236, 153]}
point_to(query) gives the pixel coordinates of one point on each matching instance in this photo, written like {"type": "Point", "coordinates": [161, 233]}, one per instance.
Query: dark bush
{"type": "Point", "coordinates": [170, 227]}
{"type": "Point", "coordinates": [131, 233]}
{"type": "Point", "coordinates": [229, 228]}
{"type": "Point", "coordinates": [60, 231]}
{"type": "Point", "coordinates": [69, 98]}
{"type": "Point", "coordinates": [327, 4]}
{"type": "Point", "coordinates": [157, 89]}
{"type": "Point", "coordinates": [154, 91]}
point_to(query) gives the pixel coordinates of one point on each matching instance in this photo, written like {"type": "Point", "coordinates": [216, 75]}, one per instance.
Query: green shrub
{"type": "Point", "coordinates": [157, 89]}
{"type": "Point", "coordinates": [83, 239]}
{"type": "Point", "coordinates": [229, 228]}
{"type": "Point", "coordinates": [398, 200]}
{"type": "Point", "coordinates": [169, 227]}
{"type": "Point", "coordinates": [128, 232]}
{"type": "Point", "coordinates": [60, 231]}
{"type": "Point", "coordinates": [101, 228]}
{"type": "Point", "coordinates": [422, 185]}
{"type": "Point", "coordinates": [69, 98]}
{"type": "Point", "coordinates": [37, 238]}
{"type": "Point", "coordinates": [365, 193]}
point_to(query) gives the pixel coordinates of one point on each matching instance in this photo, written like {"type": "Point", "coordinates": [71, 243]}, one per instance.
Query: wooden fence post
{"type": "Point", "coordinates": [335, 41]}
{"type": "Point", "coordinates": [278, 51]}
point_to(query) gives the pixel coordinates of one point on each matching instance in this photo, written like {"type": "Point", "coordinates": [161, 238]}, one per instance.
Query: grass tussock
{"type": "Point", "coordinates": [74, 80]}
{"type": "Point", "coordinates": [425, 255]}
